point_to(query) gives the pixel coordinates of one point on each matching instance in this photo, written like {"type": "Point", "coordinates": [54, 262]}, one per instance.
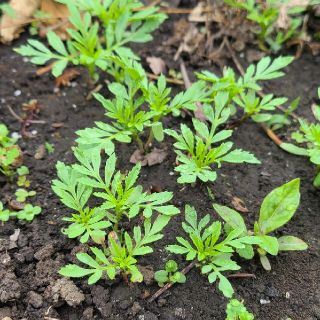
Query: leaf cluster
{"type": "Point", "coordinates": [272, 34]}
{"type": "Point", "coordinates": [93, 41]}
{"type": "Point", "coordinates": [9, 152]}
{"type": "Point", "coordinates": [121, 200]}
{"type": "Point", "coordinates": [212, 251]}
{"type": "Point", "coordinates": [138, 106]}
{"type": "Point", "coordinates": [27, 213]}
{"type": "Point", "coordinates": [170, 274]}
{"type": "Point", "coordinates": [309, 135]}
{"type": "Point", "coordinates": [198, 152]}
{"type": "Point", "coordinates": [243, 91]}
{"type": "Point", "coordinates": [237, 311]}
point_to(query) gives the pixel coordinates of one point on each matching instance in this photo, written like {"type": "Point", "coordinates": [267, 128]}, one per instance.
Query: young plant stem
{"type": "Point", "coordinates": [170, 284]}
{"type": "Point", "coordinates": [140, 144]}
{"type": "Point", "coordinates": [149, 141]}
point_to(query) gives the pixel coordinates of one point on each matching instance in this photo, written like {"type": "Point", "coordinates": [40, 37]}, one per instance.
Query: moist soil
{"type": "Point", "coordinates": [30, 287]}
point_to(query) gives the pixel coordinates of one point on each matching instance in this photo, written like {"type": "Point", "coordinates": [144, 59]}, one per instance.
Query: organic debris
{"type": "Point", "coordinates": [12, 26]}
{"type": "Point", "coordinates": [156, 156]}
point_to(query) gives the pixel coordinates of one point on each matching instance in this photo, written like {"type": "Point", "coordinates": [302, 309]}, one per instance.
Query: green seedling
{"type": "Point", "coordinates": [4, 213]}
{"type": "Point", "coordinates": [277, 208]}
{"type": "Point", "coordinates": [22, 194]}
{"type": "Point", "coordinates": [49, 147]}
{"type": "Point", "coordinates": [170, 274]}
{"type": "Point", "coordinates": [243, 91]}
{"type": "Point", "coordinates": [27, 213]}
{"type": "Point", "coordinates": [121, 255]}
{"type": "Point", "coordinates": [213, 255]}
{"type": "Point", "coordinates": [138, 106]}
{"type": "Point", "coordinates": [121, 200]}
{"type": "Point", "coordinates": [10, 153]}
{"type": "Point", "coordinates": [22, 172]}
{"type": "Point", "coordinates": [237, 311]}
{"type": "Point", "coordinates": [198, 152]}
{"type": "Point", "coordinates": [308, 134]}
{"type": "Point", "coordinates": [273, 32]}
{"type": "Point", "coordinates": [119, 25]}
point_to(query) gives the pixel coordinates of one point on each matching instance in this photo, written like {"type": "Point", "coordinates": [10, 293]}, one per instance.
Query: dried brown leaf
{"type": "Point", "coordinates": [40, 152]}
{"type": "Point", "coordinates": [11, 27]}
{"type": "Point", "coordinates": [58, 19]}
{"type": "Point", "coordinates": [157, 65]}
{"type": "Point", "coordinates": [239, 205]}
{"type": "Point", "coordinates": [68, 75]}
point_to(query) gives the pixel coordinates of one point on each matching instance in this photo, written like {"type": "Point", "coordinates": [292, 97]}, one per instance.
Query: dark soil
{"type": "Point", "coordinates": [30, 287]}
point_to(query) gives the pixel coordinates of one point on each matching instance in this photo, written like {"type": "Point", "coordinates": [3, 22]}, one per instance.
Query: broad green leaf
{"type": "Point", "coordinates": [279, 206]}
{"type": "Point", "coordinates": [291, 243]}
{"type": "Point", "coordinates": [291, 148]}
{"type": "Point", "coordinates": [231, 217]}
{"type": "Point", "coordinates": [269, 244]}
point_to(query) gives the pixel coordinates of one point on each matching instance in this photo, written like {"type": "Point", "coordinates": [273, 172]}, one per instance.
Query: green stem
{"type": "Point", "coordinates": [140, 144]}
{"type": "Point", "coordinates": [150, 140]}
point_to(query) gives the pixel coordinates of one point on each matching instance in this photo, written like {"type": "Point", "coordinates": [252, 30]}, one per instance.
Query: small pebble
{"type": "Point", "coordinates": [25, 59]}
{"type": "Point", "coordinates": [17, 93]}
{"type": "Point", "coordinates": [287, 295]}
{"type": "Point", "coordinates": [264, 301]}
{"type": "Point", "coordinates": [171, 173]}
{"type": "Point", "coordinates": [15, 135]}
{"type": "Point", "coordinates": [74, 106]}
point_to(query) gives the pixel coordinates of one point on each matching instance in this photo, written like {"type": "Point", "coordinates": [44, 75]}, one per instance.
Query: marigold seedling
{"type": "Point", "coordinates": [243, 91]}
{"type": "Point", "coordinates": [121, 200]}
{"type": "Point", "coordinates": [272, 33]}
{"type": "Point", "coordinates": [213, 254]}
{"type": "Point", "coordinates": [277, 208]}
{"type": "Point", "coordinates": [198, 152]}
{"type": "Point", "coordinates": [308, 134]}
{"type": "Point", "coordinates": [129, 120]}
{"type": "Point", "coordinates": [170, 274]}
{"type": "Point", "coordinates": [119, 24]}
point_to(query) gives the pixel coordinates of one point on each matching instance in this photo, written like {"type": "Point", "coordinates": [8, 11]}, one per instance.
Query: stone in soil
{"type": "Point", "coordinates": [9, 286]}
{"type": "Point", "coordinates": [64, 290]}
{"type": "Point", "coordinates": [35, 299]}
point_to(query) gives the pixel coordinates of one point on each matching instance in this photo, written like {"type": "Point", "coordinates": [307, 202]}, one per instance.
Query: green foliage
{"type": "Point", "coordinates": [277, 208]}
{"type": "Point", "coordinates": [243, 91]}
{"type": "Point", "coordinates": [129, 119]}
{"type": "Point", "coordinates": [23, 194]}
{"type": "Point", "coordinates": [237, 311]}
{"type": "Point", "coordinates": [119, 25]}
{"type": "Point", "coordinates": [121, 255]}
{"type": "Point", "coordinates": [22, 172]}
{"type": "Point", "coordinates": [49, 147]}
{"type": "Point", "coordinates": [121, 200]}
{"type": "Point", "coordinates": [272, 32]}
{"type": "Point", "coordinates": [170, 274]}
{"type": "Point", "coordinates": [309, 135]}
{"type": "Point", "coordinates": [213, 255]}
{"type": "Point", "coordinates": [198, 152]}
{"type": "Point", "coordinates": [4, 213]}
{"type": "Point", "coordinates": [9, 152]}
{"type": "Point", "coordinates": [27, 213]}
{"type": "Point", "coordinates": [5, 8]}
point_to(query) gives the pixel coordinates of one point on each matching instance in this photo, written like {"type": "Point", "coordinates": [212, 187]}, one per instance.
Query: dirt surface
{"type": "Point", "coordinates": [30, 287]}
